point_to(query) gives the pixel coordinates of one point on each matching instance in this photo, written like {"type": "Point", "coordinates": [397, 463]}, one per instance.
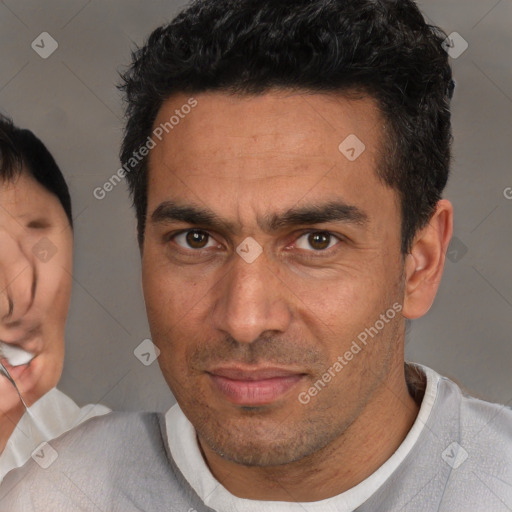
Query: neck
{"type": "Point", "coordinates": [8, 422]}
{"type": "Point", "coordinates": [369, 441]}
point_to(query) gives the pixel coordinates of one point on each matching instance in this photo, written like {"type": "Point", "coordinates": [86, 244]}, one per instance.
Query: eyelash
{"type": "Point", "coordinates": [318, 253]}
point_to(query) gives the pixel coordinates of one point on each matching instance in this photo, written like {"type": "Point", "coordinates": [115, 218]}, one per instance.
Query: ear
{"type": "Point", "coordinates": [425, 263]}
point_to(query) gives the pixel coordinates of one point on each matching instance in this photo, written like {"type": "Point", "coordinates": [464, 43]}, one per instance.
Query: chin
{"type": "Point", "coordinates": [262, 454]}
{"type": "Point", "coordinates": [252, 446]}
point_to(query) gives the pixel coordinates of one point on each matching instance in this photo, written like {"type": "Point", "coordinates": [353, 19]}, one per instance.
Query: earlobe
{"type": "Point", "coordinates": [425, 262]}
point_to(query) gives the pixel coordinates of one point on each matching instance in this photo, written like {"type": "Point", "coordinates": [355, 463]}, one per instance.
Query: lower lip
{"type": "Point", "coordinates": [254, 392]}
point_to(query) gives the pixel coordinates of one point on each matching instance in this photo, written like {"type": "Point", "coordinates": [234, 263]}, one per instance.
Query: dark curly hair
{"type": "Point", "coordinates": [381, 48]}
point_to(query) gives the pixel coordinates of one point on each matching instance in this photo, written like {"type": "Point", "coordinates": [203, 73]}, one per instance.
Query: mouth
{"type": "Point", "coordinates": [17, 373]}
{"type": "Point", "coordinates": [254, 386]}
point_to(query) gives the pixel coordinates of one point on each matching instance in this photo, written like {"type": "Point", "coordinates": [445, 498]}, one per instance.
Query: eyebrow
{"type": "Point", "coordinates": [332, 211]}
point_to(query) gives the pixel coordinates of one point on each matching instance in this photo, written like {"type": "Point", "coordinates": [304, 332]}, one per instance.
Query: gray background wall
{"type": "Point", "coordinates": [70, 101]}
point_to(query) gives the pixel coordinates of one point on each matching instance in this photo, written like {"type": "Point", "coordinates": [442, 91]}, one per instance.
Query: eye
{"type": "Point", "coordinates": [317, 240]}
{"type": "Point", "coordinates": [195, 239]}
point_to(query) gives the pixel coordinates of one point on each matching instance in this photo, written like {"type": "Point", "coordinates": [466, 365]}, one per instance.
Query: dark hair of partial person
{"type": "Point", "coordinates": [380, 48]}
{"type": "Point", "coordinates": [21, 150]}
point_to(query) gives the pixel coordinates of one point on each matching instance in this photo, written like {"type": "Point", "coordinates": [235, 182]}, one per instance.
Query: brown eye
{"type": "Point", "coordinates": [319, 240]}
{"type": "Point", "coordinates": [196, 239]}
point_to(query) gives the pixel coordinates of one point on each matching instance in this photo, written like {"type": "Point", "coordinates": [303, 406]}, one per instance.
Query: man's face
{"type": "Point", "coordinates": [35, 272]}
{"type": "Point", "coordinates": [245, 335]}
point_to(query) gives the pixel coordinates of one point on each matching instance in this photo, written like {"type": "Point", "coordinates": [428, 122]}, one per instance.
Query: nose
{"type": "Point", "coordinates": [251, 300]}
{"type": "Point", "coordinates": [17, 279]}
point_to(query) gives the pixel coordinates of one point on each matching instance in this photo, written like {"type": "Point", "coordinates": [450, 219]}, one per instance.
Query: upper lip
{"type": "Point", "coordinates": [254, 373]}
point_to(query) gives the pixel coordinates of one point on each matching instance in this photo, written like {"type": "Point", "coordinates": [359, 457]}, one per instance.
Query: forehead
{"type": "Point", "coordinates": [269, 150]}
{"type": "Point", "coordinates": [24, 196]}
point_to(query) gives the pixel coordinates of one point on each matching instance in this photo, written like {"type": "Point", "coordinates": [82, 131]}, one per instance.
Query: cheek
{"type": "Point", "coordinates": [55, 275]}
{"type": "Point", "coordinates": [53, 366]}
{"type": "Point", "coordinates": [176, 312]}
{"type": "Point", "coordinates": [341, 300]}
{"type": "Point", "coordinates": [335, 301]}
{"type": "Point", "coordinates": [54, 292]}
{"type": "Point", "coordinates": [335, 312]}
{"type": "Point", "coordinates": [172, 297]}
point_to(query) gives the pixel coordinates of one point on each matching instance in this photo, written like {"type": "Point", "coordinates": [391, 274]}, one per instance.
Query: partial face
{"type": "Point", "coordinates": [267, 252]}
{"type": "Point", "coordinates": [35, 278]}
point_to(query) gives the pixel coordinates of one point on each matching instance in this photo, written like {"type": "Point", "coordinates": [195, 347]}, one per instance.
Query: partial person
{"type": "Point", "coordinates": [287, 162]}
{"type": "Point", "coordinates": [36, 256]}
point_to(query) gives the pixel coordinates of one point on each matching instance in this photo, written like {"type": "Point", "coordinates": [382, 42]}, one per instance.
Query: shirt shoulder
{"type": "Point", "coordinates": [56, 414]}
{"type": "Point", "coordinates": [482, 427]}
{"type": "Point", "coordinates": [480, 456]}
{"type": "Point", "coordinates": [486, 422]}
{"type": "Point", "coordinates": [461, 461]}
{"type": "Point", "coordinates": [99, 462]}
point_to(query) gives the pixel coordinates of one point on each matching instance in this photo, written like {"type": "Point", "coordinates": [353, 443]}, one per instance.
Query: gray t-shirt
{"type": "Point", "coordinates": [462, 461]}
